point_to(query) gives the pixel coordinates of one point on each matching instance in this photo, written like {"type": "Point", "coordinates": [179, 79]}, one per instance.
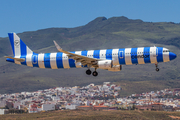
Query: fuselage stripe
{"type": "Point", "coordinates": [78, 64]}
{"type": "Point", "coordinates": [65, 61]}
{"type": "Point", "coordinates": [147, 55]}
{"type": "Point", "coordinates": [140, 52]}
{"type": "Point", "coordinates": [72, 62]}
{"type": "Point", "coordinates": [53, 60]}
{"type": "Point", "coordinates": [47, 60]}
{"type": "Point", "coordinates": [109, 54]}
{"type": "Point", "coordinates": [160, 54]}
{"type": "Point", "coordinates": [128, 56]}
{"type": "Point", "coordinates": [35, 60]}
{"type": "Point", "coordinates": [90, 53]}
{"type": "Point", "coordinates": [96, 53]}
{"type": "Point", "coordinates": [41, 60]}
{"type": "Point", "coordinates": [165, 56]}
{"type": "Point", "coordinates": [153, 55]}
{"type": "Point", "coordinates": [134, 56]}
{"type": "Point", "coordinates": [59, 60]}
{"type": "Point", "coordinates": [122, 56]}
{"type": "Point", "coordinates": [103, 54]}
{"type": "Point", "coordinates": [115, 57]}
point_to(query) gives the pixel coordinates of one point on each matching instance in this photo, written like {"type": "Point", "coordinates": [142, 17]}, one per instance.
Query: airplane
{"type": "Point", "coordinates": [107, 59]}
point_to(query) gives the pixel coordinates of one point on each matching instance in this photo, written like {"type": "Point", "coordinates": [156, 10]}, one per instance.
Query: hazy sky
{"type": "Point", "coordinates": [31, 15]}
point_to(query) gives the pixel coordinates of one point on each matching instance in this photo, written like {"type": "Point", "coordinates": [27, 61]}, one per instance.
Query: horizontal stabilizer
{"type": "Point", "coordinates": [18, 59]}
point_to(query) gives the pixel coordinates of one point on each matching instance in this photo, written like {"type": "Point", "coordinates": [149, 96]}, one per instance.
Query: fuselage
{"type": "Point", "coordinates": [124, 56]}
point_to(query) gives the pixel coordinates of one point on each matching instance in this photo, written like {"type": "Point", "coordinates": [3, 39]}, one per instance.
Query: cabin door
{"type": "Point", "coordinates": [121, 54]}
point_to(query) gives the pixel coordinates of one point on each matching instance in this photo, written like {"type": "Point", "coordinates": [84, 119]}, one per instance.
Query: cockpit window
{"type": "Point", "coordinates": [166, 51]}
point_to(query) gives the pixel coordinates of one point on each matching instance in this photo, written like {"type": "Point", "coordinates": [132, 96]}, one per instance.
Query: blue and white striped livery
{"type": "Point", "coordinates": [108, 59]}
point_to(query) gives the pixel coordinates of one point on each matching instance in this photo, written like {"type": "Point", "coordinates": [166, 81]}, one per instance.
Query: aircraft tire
{"type": "Point", "coordinates": [88, 72]}
{"type": "Point", "coordinates": [95, 73]}
{"type": "Point", "coordinates": [157, 69]}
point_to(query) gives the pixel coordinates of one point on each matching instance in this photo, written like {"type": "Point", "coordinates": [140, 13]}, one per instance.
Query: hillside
{"type": "Point", "coordinates": [101, 33]}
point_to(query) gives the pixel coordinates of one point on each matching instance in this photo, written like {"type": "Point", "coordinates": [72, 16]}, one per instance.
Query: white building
{"type": "Point", "coordinates": [3, 111]}
{"type": "Point", "coordinates": [47, 107]}
{"type": "Point", "coordinates": [71, 107]}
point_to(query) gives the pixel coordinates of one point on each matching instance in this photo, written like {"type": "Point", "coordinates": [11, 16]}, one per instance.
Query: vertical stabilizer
{"type": "Point", "coordinates": [18, 46]}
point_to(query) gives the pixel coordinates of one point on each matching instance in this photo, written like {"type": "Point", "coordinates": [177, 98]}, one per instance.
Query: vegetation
{"type": "Point", "coordinates": [95, 115]}
{"type": "Point", "coordinates": [101, 33]}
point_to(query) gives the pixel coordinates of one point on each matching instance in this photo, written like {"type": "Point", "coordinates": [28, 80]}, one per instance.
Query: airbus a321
{"type": "Point", "coordinates": [107, 59]}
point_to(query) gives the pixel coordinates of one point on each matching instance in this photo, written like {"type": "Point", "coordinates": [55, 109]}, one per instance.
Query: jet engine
{"type": "Point", "coordinates": [108, 65]}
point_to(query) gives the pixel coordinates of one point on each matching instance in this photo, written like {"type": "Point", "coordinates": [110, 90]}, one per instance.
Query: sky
{"type": "Point", "coordinates": [31, 15]}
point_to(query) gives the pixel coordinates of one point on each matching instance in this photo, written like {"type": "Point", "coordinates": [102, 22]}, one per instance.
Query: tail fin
{"type": "Point", "coordinates": [18, 46]}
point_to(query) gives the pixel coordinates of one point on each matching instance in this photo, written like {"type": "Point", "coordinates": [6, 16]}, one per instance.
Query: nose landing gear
{"type": "Point", "coordinates": [157, 69]}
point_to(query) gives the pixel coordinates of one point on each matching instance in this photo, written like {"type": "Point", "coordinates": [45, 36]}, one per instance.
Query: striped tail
{"type": "Point", "coordinates": [18, 46]}
{"type": "Point", "coordinates": [20, 51]}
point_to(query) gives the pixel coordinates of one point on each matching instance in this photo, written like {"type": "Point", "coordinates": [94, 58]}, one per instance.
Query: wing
{"type": "Point", "coordinates": [79, 58]}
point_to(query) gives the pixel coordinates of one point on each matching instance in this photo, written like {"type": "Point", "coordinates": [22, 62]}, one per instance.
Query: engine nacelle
{"type": "Point", "coordinates": [108, 65]}
{"type": "Point", "coordinates": [105, 64]}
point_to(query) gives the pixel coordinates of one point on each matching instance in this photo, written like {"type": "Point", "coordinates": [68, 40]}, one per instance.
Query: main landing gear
{"type": "Point", "coordinates": [88, 72]}
{"type": "Point", "coordinates": [157, 69]}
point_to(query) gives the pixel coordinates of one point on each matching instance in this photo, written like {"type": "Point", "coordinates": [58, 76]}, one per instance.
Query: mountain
{"type": "Point", "coordinates": [101, 33]}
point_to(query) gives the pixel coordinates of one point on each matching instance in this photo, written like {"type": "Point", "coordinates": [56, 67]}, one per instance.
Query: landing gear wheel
{"type": "Point", "coordinates": [157, 69]}
{"type": "Point", "coordinates": [95, 73]}
{"type": "Point", "coordinates": [88, 72]}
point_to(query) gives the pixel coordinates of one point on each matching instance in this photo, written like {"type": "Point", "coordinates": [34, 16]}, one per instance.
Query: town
{"type": "Point", "coordinates": [90, 97]}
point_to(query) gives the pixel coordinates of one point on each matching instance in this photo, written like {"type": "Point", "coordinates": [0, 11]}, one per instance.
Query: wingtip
{"type": "Point", "coordinates": [57, 46]}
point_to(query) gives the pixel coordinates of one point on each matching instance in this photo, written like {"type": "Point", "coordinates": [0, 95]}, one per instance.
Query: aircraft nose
{"type": "Point", "coordinates": [172, 56]}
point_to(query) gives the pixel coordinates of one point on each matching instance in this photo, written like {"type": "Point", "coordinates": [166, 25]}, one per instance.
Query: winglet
{"type": "Point", "coordinates": [57, 46]}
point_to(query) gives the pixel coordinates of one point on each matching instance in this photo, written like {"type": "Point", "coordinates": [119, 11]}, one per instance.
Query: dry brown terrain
{"type": "Point", "coordinates": [95, 115]}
